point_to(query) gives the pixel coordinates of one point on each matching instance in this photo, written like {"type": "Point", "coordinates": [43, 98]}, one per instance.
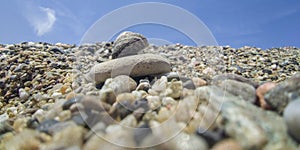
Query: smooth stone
{"type": "Point", "coordinates": [134, 66]}
{"type": "Point", "coordinates": [220, 78]}
{"type": "Point", "coordinates": [291, 116]}
{"type": "Point", "coordinates": [258, 129]}
{"type": "Point", "coordinates": [189, 84]}
{"type": "Point", "coordinates": [46, 125]}
{"type": "Point", "coordinates": [172, 75]}
{"type": "Point", "coordinates": [199, 82]}
{"type": "Point", "coordinates": [185, 141]}
{"type": "Point", "coordinates": [120, 84]}
{"type": "Point", "coordinates": [244, 90]}
{"type": "Point", "coordinates": [71, 136]}
{"type": "Point", "coordinates": [250, 126]}
{"type": "Point", "coordinates": [261, 91]}
{"type": "Point", "coordinates": [107, 96]}
{"type": "Point", "coordinates": [5, 127]}
{"type": "Point", "coordinates": [128, 43]}
{"type": "Point", "coordinates": [227, 144]}
{"type": "Point", "coordinates": [27, 140]}
{"type": "Point", "coordinates": [285, 92]}
{"type": "Point", "coordinates": [66, 105]}
{"type": "Point", "coordinates": [141, 132]}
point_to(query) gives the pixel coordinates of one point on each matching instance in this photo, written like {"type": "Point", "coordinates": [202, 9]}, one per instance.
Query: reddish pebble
{"type": "Point", "coordinates": [261, 91]}
{"type": "Point", "coordinates": [199, 82]}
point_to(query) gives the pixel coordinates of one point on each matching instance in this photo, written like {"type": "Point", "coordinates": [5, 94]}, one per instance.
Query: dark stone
{"type": "Point", "coordinates": [57, 50]}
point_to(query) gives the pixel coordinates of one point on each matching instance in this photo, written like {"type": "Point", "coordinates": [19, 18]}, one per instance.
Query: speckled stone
{"type": "Point", "coordinates": [128, 43]}
{"type": "Point", "coordinates": [283, 93]}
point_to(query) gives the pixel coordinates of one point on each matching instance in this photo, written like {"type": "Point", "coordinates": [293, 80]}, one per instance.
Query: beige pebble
{"type": "Point", "coordinates": [227, 144]}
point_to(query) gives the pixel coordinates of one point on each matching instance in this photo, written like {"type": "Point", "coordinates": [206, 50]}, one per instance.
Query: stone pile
{"type": "Point", "coordinates": [129, 94]}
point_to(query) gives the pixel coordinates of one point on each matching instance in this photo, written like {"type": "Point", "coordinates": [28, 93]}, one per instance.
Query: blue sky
{"type": "Point", "coordinates": [260, 23]}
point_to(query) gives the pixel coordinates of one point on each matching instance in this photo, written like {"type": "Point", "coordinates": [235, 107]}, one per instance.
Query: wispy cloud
{"type": "Point", "coordinates": [42, 19]}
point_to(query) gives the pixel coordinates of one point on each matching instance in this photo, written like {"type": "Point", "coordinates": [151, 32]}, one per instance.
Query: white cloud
{"type": "Point", "coordinates": [42, 20]}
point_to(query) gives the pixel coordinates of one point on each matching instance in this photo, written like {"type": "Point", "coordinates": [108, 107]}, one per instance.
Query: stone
{"type": "Point", "coordinates": [211, 137]}
{"type": "Point", "coordinates": [71, 136]}
{"type": "Point", "coordinates": [23, 94]}
{"type": "Point", "coordinates": [258, 129]}
{"type": "Point", "coordinates": [199, 82]}
{"type": "Point", "coordinates": [46, 125]}
{"type": "Point", "coordinates": [5, 127]}
{"type": "Point", "coordinates": [128, 43]}
{"type": "Point", "coordinates": [67, 104]}
{"type": "Point", "coordinates": [184, 141]}
{"type": "Point", "coordinates": [143, 85]}
{"type": "Point", "coordinates": [27, 140]}
{"type": "Point", "coordinates": [244, 90]}
{"type": "Point", "coordinates": [98, 141]}
{"type": "Point", "coordinates": [159, 86]}
{"type": "Point", "coordinates": [134, 66]}
{"type": "Point", "coordinates": [286, 91]}
{"type": "Point", "coordinates": [292, 118]}
{"type": "Point", "coordinates": [261, 91]}
{"type": "Point", "coordinates": [174, 89]}
{"type": "Point", "coordinates": [20, 124]}
{"type": "Point", "coordinates": [107, 96]}
{"type": "Point", "coordinates": [227, 144]}
{"type": "Point", "coordinates": [250, 126]}
{"type": "Point", "coordinates": [120, 84]}
{"type": "Point", "coordinates": [220, 78]}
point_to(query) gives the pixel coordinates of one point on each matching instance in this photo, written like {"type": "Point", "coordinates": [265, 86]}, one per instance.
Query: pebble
{"type": "Point", "coordinates": [199, 82]}
{"type": "Point", "coordinates": [134, 66]}
{"type": "Point", "coordinates": [292, 118]}
{"type": "Point", "coordinates": [285, 92]}
{"type": "Point", "coordinates": [128, 43]}
{"type": "Point", "coordinates": [244, 90]}
{"type": "Point", "coordinates": [67, 138]}
{"type": "Point", "coordinates": [227, 144]}
{"type": "Point", "coordinates": [120, 84]}
{"type": "Point", "coordinates": [261, 91]}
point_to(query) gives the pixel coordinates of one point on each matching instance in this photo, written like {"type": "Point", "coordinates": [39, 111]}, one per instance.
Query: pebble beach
{"type": "Point", "coordinates": [129, 94]}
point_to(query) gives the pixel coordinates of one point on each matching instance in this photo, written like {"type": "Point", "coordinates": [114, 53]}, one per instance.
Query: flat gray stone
{"type": "Point", "coordinates": [133, 66]}
{"type": "Point", "coordinates": [128, 43]}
